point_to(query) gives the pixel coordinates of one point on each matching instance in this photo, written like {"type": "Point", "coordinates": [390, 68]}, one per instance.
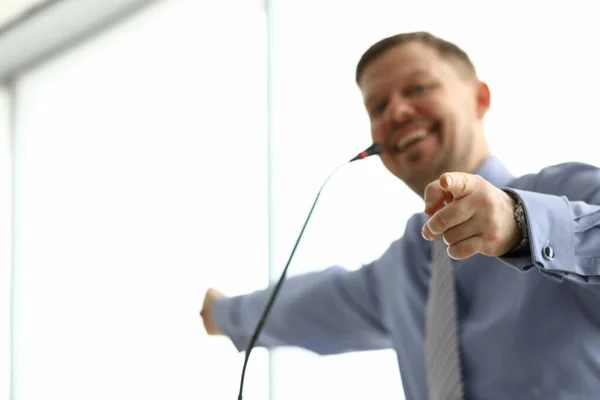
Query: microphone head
{"type": "Point", "coordinates": [372, 150]}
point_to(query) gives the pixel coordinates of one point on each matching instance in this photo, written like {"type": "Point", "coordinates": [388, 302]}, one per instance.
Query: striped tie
{"type": "Point", "coordinates": [443, 358]}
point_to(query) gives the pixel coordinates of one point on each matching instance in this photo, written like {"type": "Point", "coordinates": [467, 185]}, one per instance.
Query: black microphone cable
{"type": "Point", "coordinates": [374, 149]}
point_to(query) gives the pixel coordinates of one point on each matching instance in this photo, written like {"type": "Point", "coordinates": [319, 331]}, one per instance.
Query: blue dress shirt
{"type": "Point", "coordinates": [529, 326]}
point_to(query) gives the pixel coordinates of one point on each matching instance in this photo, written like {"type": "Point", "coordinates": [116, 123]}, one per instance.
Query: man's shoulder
{"type": "Point", "coordinates": [560, 169]}
{"type": "Point", "coordinates": [568, 167]}
{"type": "Point", "coordinates": [558, 177]}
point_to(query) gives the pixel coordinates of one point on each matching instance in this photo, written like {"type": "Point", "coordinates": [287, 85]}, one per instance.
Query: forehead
{"type": "Point", "coordinates": [402, 63]}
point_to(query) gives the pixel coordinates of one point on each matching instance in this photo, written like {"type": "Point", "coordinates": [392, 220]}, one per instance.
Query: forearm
{"type": "Point", "coordinates": [327, 312]}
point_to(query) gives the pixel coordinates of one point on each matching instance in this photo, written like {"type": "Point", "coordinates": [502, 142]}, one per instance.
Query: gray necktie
{"type": "Point", "coordinates": [441, 329]}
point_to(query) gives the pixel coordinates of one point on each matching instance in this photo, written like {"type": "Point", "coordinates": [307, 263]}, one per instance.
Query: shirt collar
{"type": "Point", "coordinates": [493, 171]}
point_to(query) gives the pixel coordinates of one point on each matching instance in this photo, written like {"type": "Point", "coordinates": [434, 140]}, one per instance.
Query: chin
{"type": "Point", "coordinates": [423, 171]}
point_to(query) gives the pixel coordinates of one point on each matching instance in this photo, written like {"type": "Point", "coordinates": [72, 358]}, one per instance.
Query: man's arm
{"type": "Point", "coordinates": [562, 209]}
{"type": "Point", "coordinates": [327, 312]}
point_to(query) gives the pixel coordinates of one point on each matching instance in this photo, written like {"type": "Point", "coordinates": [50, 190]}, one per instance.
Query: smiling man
{"type": "Point", "coordinates": [492, 292]}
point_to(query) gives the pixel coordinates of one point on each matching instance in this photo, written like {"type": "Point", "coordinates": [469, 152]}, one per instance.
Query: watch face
{"type": "Point", "coordinates": [520, 218]}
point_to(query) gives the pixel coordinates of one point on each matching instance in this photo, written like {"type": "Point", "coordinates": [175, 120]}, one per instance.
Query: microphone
{"type": "Point", "coordinates": [372, 150]}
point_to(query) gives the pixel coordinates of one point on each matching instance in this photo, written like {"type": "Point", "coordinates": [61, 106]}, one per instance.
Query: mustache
{"type": "Point", "coordinates": [413, 121]}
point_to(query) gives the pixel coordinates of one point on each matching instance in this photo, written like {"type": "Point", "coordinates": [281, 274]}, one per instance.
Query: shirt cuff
{"type": "Point", "coordinates": [551, 235]}
{"type": "Point", "coordinates": [225, 311]}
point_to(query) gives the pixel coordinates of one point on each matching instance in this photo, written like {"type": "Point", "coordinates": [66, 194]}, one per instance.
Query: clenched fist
{"type": "Point", "coordinates": [471, 214]}
{"type": "Point", "coordinates": [206, 313]}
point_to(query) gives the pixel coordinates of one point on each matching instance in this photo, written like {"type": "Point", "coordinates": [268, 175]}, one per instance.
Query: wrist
{"type": "Point", "coordinates": [522, 243]}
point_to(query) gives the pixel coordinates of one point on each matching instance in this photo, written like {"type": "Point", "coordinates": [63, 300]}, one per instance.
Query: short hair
{"type": "Point", "coordinates": [443, 47]}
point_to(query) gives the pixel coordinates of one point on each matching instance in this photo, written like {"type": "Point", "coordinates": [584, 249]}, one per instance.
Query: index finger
{"type": "Point", "coordinates": [435, 197]}
{"type": "Point", "coordinates": [459, 183]}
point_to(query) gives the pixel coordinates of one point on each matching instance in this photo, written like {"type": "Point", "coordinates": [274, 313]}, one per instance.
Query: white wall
{"type": "Point", "coordinates": [5, 242]}
{"type": "Point", "coordinates": [540, 64]}
{"type": "Point", "coordinates": [140, 180]}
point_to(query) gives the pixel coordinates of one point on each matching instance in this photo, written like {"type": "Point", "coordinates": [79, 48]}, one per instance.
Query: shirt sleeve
{"type": "Point", "coordinates": [327, 312]}
{"type": "Point", "coordinates": [563, 218]}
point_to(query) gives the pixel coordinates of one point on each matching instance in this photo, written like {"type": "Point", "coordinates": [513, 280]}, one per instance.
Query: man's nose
{"type": "Point", "coordinates": [400, 109]}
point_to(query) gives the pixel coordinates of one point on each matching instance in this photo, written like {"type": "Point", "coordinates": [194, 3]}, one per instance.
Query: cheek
{"type": "Point", "coordinates": [378, 131]}
{"type": "Point", "coordinates": [434, 107]}
{"type": "Point", "coordinates": [449, 115]}
{"type": "Point", "coordinates": [457, 120]}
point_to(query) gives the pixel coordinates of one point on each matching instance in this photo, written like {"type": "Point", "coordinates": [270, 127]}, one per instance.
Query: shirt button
{"type": "Point", "coordinates": [548, 253]}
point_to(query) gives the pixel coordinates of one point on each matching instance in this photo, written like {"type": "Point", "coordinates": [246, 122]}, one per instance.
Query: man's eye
{"type": "Point", "coordinates": [416, 90]}
{"type": "Point", "coordinates": [379, 108]}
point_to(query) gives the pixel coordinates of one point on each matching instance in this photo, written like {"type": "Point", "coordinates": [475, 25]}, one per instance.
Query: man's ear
{"type": "Point", "coordinates": [483, 99]}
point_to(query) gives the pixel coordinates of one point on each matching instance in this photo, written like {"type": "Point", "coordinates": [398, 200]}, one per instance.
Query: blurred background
{"type": "Point", "coordinates": [152, 149]}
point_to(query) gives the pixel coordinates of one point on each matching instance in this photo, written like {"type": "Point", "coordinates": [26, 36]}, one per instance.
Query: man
{"type": "Point", "coordinates": [526, 259]}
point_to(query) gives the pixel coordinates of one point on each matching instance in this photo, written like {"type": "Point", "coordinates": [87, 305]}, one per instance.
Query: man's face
{"type": "Point", "coordinates": [425, 112]}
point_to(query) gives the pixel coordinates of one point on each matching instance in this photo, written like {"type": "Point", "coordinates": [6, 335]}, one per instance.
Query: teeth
{"type": "Point", "coordinates": [413, 137]}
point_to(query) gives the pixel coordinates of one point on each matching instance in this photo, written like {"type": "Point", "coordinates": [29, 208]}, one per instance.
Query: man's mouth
{"type": "Point", "coordinates": [414, 138]}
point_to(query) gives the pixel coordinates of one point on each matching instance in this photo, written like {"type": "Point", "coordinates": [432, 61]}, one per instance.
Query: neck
{"type": "Point", "coordinates": [476, 162]}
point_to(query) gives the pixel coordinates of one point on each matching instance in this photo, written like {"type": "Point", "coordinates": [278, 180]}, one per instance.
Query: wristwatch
{"type": "Point", "coordinates": [519, 214]}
